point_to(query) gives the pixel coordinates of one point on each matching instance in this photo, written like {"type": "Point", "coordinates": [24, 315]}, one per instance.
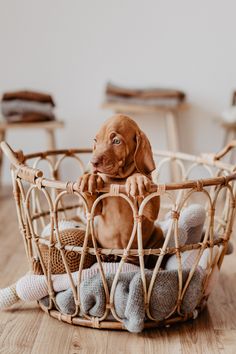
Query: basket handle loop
{"type": "Point", "coordinates": [231, 145]}
{"type": "Point", "coordinates": [27, 173]}
{"type": "Point", "coordinates": [10, 153]}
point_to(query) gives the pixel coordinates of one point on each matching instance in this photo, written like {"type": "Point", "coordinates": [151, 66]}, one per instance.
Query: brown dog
{"type": "Point", "coordinates": [122, 153]}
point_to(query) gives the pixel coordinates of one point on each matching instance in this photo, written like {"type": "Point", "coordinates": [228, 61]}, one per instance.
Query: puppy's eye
{"type": "Point", "coordinates": [95, 140]}
{"type": "Point", "coordinates": [116, 141]}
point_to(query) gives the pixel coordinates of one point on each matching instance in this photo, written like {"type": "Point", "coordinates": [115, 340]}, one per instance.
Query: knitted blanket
{"type": "Point", "coordinates": [129, 296]}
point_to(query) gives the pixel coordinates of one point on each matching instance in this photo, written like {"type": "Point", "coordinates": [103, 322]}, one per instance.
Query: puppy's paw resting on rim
{"type": "Point", "coordinates": [90, 182]}
{"type": "Point", "coordinates": [137, 185]}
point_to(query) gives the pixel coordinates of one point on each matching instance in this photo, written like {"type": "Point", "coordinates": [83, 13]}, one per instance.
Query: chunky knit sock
{"type": "Point", "coordinates": [34, 287]}
{"type": "Point", "coordinates": [8, 296]}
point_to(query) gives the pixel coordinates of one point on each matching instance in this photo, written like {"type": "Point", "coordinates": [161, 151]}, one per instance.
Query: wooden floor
{"type": "Point", "coordinates": [26, 329]}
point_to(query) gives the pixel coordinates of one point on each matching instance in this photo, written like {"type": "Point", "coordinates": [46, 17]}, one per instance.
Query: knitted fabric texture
{"type": "Point", "coordinates": [129, 296]}
{"type": "Point", "coordinates": [34, 287]}
{"type": "Point", "coordinates": [128, 299]}
{"type": "Point", "coordinates": [216, 236]}
{"type": "Point", "coordinates": [188, 258]}
{"type": "Point", "coordinates": [62, 225]}
{"type": "Point", "coordinates": [8, 297]}
{"type": "Point", "coordinates": [190, 225]}
{"type": "Point", "coordinates": [165, 292]}
{"type": "Point", "coordinates": [69, 237]}
{"type": "Point", "coordinates": [72, 233]}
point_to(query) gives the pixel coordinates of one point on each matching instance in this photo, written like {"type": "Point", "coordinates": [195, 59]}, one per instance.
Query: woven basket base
{"type": "Point", "coordinates": [77, 321]}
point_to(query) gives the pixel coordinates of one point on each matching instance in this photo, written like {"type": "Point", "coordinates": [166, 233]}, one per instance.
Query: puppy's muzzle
{"type": "Point", "coordinates": [97, 161]}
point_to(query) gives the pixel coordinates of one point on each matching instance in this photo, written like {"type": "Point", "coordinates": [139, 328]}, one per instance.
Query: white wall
{"type": "Point", "coordinates": [72, 47]}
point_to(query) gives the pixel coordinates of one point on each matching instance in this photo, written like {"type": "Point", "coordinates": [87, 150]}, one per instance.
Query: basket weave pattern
{"type": "Point", "coordinates": [41, 200]}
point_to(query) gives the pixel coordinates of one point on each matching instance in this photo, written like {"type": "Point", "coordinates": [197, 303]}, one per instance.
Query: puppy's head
{"type": "Point", "coordinates": [121, 148]}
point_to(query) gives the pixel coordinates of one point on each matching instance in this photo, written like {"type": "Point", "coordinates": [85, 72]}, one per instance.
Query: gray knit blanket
{"type": "Point", "coordinates": [129, 296]}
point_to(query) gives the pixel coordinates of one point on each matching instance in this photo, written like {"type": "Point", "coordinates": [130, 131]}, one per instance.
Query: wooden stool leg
{"type": "Point", "coordinates": [233, 153]}
{"type": "Point", "coordinates": [226, 137]}
{"type": "Point", "coordinates": [2, 138]}
{"type": "Point", "coordinates": [230, 134]}
{"type": "Point", "coordinates": [51, 139]}
{"type": "Point", "coordinates": [172, 131]}
{"type": "Point", "coordinates": [172, 141]}
{"type": "Point", "coordinates": [52, 146]}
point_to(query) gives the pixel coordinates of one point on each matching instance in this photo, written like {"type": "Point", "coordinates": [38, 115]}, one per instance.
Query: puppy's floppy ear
{"type": "Point", "coordinates": [143, 157]}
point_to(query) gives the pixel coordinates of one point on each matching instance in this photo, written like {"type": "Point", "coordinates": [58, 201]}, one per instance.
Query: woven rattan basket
{"type": "Point", "coordinates": [207, 179]}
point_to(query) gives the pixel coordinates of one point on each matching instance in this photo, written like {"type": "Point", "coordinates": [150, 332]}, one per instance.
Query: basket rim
{"type": "Point", "coordinates": [36, 177]}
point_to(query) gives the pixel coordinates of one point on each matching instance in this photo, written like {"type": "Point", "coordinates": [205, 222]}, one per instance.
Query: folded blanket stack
{"type": "Point", "coordinates": [146, 96]}
{"type": "Point", "coordinates": [27, 106]}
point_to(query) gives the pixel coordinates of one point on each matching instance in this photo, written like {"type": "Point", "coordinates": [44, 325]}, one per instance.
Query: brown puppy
{"type": "Point", "coordinates": [122, 153]}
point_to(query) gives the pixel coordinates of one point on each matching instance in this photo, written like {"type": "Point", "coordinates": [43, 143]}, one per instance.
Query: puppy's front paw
{"type": "Point", "coordinates": [137, 185]}
{"type": "Point", "coordinates": [90, 183]}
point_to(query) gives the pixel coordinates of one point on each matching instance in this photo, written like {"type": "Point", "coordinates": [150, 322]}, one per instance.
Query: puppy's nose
{"type": "Point", "coordinates": [96, 161]}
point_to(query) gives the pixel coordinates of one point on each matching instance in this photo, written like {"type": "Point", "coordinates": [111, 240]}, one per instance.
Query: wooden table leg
{"type": "Point", "coordinates": [2, 138]}
{"type": "Point", "coordinates": [52, 146]}
{"type": "Point", "coordinates": [172, 131]}
{"type": "Point", "coordinates": [172, 141]}
{"type": "Point", "coordinates": [233, 152]}
{"type": "Point", "coordinates": [51, 139]}
{"type": "Point", "coordinates": [230, 134]}
{"type": "Point", "coordinates": [226, 137]}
